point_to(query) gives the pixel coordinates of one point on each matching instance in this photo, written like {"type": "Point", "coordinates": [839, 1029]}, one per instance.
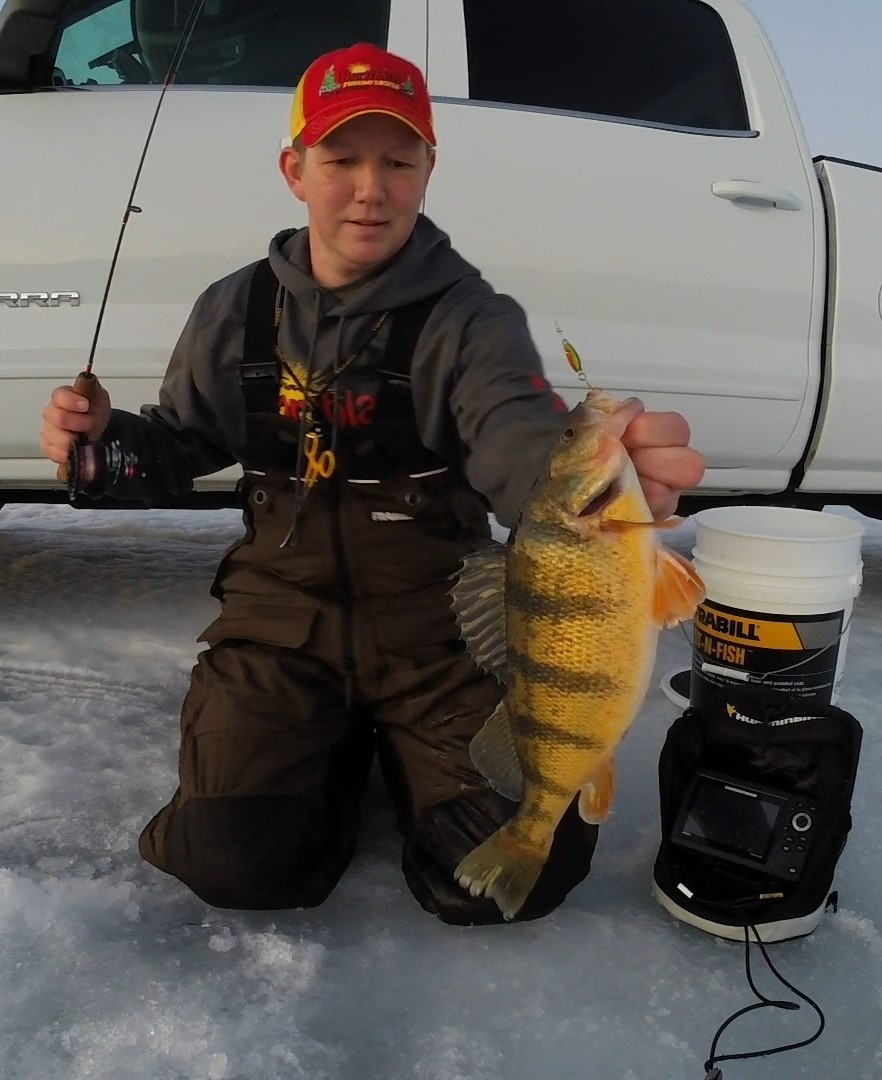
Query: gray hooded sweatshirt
{"type": "Point", "coordinates": [479, 394]}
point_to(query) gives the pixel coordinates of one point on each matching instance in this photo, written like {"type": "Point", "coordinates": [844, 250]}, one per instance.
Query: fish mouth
{"type": "Point", "coordinates": [599, 502]}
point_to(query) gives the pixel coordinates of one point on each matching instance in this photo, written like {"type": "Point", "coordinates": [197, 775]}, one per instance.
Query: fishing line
{"type": "Point", "coordinates": [85, 381]}
{"type": "Point", "coordinates": [170, 76]}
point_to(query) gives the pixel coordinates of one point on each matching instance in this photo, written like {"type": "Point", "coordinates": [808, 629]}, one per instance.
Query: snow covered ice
{"type": "Point", "coordinates": [110, 970]}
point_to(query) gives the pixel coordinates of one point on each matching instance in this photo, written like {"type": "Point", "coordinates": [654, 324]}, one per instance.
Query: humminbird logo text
{"type": "Point", "coordinates": [39, 299]}
{"type": "Point", "coordinates": [736, 715]}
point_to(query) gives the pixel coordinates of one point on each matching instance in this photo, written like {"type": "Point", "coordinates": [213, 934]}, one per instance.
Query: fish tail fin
{"type": "Point", "coordinates": [504, 869]}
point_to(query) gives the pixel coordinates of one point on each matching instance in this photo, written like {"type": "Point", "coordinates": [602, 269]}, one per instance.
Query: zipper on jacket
{"type": "Point", "coordinates": [344, 578]}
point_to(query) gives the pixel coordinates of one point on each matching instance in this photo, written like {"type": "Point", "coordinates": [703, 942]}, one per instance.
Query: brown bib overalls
{"type": "Point", "coordinates": [326, 649]}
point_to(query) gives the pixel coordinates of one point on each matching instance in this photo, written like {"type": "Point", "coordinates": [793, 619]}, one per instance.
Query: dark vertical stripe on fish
{"type": "Point", "coordinates": [595, 683]}
{"type": "Point", "coordinates": [541, 783]}
{"type": "Point", "coordinates": [535, 730]}
{"type": "Point", "coordinates": [531, 602]}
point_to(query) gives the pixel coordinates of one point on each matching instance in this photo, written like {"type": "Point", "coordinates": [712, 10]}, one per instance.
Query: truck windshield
{"type": "Point", "coordinates": [235, 42]}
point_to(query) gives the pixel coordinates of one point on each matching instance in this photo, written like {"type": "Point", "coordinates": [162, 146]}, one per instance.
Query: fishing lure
{"type": "Point", "coordinates": [573, 358]}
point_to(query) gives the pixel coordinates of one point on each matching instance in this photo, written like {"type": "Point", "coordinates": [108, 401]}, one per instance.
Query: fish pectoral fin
{"type": "Point", "coordinates": [595, 798]}
{"type": "Point", "coordinates": [618, 525]}
{"type": "Point", "coordinates": [678, 589]}
{"type": "Point", "coordinates": [478, 601]}
{"type": "Point", "coordinates": [669, 523]}
{"type": "Point", "coordinates": [495, 756]}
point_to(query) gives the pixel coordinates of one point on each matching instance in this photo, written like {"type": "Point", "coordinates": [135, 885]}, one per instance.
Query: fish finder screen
{"type": "Point", "coordinates": [731, 818]}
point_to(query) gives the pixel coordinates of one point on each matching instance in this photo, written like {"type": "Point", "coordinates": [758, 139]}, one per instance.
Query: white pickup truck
{"type": "Point", "coordinates": [633, 171]}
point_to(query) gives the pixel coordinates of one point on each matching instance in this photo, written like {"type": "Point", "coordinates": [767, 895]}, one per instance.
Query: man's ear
{"type": "Point", "coordinates": [291, 167]}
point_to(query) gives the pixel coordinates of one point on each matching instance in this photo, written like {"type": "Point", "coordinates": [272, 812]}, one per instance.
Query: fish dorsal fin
{"type": "Point", "coordinates": [494, 755]}
{"type": "Point", "coordinates": [678, 589]}
{"type": "Point", "coordinates": [478, 601]}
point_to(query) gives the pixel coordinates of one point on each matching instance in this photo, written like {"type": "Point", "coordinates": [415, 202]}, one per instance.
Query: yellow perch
{"type": "Point", "coordinates": [567, 618]}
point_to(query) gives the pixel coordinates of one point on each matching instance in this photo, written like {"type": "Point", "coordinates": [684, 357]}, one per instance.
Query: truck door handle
{"type": "Point", "coordinates": [748, 192]}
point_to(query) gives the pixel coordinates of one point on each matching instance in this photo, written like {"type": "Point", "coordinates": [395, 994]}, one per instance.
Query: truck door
{"type": "Point", "coordinates": [631, 171]}
{"type": "Point", "coordinates": [69, 156]}
{"type": "Point", "coordinates": [210, 193]}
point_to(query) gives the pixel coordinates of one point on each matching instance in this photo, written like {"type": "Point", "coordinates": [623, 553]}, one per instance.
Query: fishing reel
{"type": "Point", "coordinates": [95, 469]}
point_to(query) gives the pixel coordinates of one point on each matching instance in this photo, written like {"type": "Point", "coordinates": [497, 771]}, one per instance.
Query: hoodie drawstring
{"type": "Point", "coordinates": [335, 421]}
{"type": "Point", "coordinates": [322, 463]}
{"type": "Point", "coordinates": [300, 489]}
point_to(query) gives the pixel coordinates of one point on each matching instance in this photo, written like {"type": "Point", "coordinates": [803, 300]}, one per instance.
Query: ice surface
{"type": "Point", "coordinates": [110, 970]}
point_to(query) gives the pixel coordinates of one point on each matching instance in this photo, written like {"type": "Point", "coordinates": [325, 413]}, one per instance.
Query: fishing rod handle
{"type": "Point", "coordinates": [84, 385]}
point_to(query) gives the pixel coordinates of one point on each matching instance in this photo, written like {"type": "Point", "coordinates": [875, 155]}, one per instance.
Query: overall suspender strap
{"type": "Point", "coordinates": [407, 325]}
{"type": "Point", "coordinates": [259, 369]}
{"type": "Point", "coordinates": [397, 439]}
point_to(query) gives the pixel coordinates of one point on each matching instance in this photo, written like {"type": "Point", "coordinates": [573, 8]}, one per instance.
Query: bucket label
{"type": "Point", "coordinates": [795, 654]}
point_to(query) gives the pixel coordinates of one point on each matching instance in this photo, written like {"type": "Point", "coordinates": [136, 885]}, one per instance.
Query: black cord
{"type": "Point", "coordinates": [763, 1002]}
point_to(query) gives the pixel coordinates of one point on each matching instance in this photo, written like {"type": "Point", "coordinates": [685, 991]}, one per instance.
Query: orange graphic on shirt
{"type": "Point", "coordinates": [291, 397]}
{"type": "Point", "coordinates": [350, 409]}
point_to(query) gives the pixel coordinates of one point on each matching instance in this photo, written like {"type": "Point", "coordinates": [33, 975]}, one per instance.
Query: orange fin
{"type": "Point", "coordinates": [595, 798]}
{"type": "Point", "coordinates": [615, 525]}
{"type": "Point", "coordinates": [678, 589]}
{"type": "Point", "coordinates": [669, 523]}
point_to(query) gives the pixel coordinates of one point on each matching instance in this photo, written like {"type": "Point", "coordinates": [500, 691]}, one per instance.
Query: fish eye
{"type": "Point", "coordinates": [568, 435]}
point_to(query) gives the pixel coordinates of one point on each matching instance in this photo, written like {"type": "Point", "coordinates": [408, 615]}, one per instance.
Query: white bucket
{"type": "Point", "coordinates": [781, 584]}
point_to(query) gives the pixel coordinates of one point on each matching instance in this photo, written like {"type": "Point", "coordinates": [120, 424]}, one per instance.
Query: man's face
{"type": "Point", "coordinates": [363, 186]}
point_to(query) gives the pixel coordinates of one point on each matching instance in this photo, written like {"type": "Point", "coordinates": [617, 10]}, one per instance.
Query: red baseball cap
{"type": "Point", "coordinates": [351, 82]}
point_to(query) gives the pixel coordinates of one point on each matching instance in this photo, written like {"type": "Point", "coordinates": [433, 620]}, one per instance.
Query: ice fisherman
{"type": "Point", "coordinates": [381, 398]}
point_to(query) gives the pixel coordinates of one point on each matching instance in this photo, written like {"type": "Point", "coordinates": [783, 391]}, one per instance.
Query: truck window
{"type": "Point", "coordinates": [87, 47]}
{"type": "Point", "coordinates": [234, 43]}
{"type": "Point", "coordinates": [666, 62]}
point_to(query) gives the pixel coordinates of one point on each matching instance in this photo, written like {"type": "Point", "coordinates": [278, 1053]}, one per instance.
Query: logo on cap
{"type": "Point", "coordinates": [385, 79]}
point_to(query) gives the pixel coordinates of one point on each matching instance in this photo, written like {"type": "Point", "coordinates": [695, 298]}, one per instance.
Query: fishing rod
{"type": "Point", "coordinates": [85, 382]}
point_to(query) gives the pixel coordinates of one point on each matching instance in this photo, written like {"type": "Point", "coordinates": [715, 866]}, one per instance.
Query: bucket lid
{"type": "Point", "coordinates": [784, 523]}
{"type": "Point", "coordinates": [779, 542]}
